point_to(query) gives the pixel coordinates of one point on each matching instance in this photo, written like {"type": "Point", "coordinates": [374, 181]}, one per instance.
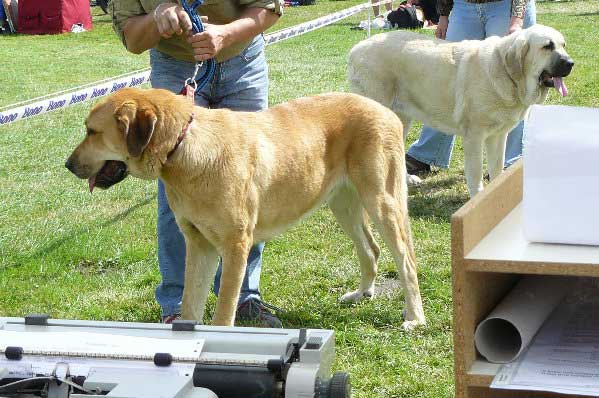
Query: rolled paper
{"type": "Point", "coordinates": [511, 326]}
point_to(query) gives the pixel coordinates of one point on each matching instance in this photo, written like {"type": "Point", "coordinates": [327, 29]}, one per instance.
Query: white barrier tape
{"type": "Point", "coordinates": [99, 90]}
{"type": "Point", "coordinates": [313, 25]}
{"type": "Point", "coordinates": [72, 89]}
{"type": "Point", "coordinates": [317, 23]}
{"type": "Point", "coordinates": [72, 98]}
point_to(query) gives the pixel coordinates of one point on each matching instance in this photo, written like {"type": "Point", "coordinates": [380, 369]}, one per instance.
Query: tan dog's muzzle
{"type": "Point", "coordinates": [112, 172]}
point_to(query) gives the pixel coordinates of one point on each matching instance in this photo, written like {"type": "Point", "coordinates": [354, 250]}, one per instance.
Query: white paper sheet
{"type": "Point", "coordinates": [561, 175]}
{"type": "Point", "coordinates": [564, 356]}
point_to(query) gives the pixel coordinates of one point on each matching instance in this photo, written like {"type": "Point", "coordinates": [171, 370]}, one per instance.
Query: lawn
{"type": "Point", "coordinates": [74, 255]}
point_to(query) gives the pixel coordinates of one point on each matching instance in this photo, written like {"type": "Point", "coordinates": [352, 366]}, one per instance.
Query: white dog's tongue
{"type": "Point", "coordinates": [92, 183]}
{"type": "Point", "coordinates": [559, 85]}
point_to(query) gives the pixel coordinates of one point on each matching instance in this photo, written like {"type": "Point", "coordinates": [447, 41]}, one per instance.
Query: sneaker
{"type": "Point", "coordinates": [168, 319]}
{"type": "Point", "coordinates": [256, 312]}
{"type": "Point", "coordinates": [415, 166]}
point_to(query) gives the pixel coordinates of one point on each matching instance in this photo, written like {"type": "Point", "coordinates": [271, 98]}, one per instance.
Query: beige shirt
{"type": "Point", "coordinates": [219, 12]}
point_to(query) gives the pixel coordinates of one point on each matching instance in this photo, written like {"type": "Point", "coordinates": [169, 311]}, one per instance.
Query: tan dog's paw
{"type": "Point", "coordinates": [357, 295]}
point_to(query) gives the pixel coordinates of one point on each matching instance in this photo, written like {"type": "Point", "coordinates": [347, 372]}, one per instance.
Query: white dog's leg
{"type": "Point", "coordinates": [201, 262]}
{"type": "Point", "coordinates": [495, 148]}
{"type": "Point", "coordinates": [473, 163]}
{"type": "Point", "coordinates": [350, 214]}
{"type": "Point", "coordinates": [406, 121]}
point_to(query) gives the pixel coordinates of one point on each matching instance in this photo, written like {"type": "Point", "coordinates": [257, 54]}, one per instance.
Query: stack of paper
{"type": "Point", "coordinates": [564, 356]}
{"type": "Point", "coordinates": [561, 175]}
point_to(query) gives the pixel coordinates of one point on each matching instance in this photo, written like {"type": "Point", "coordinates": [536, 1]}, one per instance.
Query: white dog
{"type": "Point", "coordinates": [477, 89]}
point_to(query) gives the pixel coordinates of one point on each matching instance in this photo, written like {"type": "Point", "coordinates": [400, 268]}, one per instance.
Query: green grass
{"type": "Point", "coordinates": [75, 255]}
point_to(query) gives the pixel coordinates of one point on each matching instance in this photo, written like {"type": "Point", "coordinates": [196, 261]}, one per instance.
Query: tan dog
{"type": "Point", "coordinates": [235, 178]}
{"type": "Point", "coordinates": [479, 89]}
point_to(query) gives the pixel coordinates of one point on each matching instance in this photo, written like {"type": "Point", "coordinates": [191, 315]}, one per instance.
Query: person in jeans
{"type": "Point", "coordinates": [470, 20]}
{"type": "Point", "coordinates": [233, 38]}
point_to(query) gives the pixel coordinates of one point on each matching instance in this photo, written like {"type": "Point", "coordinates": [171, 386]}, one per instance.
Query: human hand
{"type": "Point", "coordinates": [516, 24]}
{"type": "Point", "coordinates": [209, 42]}
{"type": "Point", "coordinates": [441, 31]}
{"type": "Point", "coordinates": [171, 19]}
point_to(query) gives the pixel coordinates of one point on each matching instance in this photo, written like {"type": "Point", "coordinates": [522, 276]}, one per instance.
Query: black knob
{"type": "Point", "coordinates": [340, 386]}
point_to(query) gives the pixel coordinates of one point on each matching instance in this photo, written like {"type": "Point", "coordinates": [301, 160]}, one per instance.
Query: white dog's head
{"type": "Point", "coordinates": [536, 60]}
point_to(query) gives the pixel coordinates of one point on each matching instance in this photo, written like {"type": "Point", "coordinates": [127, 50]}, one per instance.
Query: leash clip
{"type": "Point", "coordinates": [191, 84]}
{"type": "Point", "coordinates": [191, 81]}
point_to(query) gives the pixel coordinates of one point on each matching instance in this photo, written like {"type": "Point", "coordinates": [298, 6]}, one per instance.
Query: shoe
{"type": "Point", "coordinates": [256, 312]}
{"type": "Point", "coordinates": [168, 319]}
{"type": "Point", "coordinates": [415, 166]}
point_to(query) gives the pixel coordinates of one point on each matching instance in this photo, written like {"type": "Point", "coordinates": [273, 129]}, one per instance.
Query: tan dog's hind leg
{"type": "Point", "coordinates": [368, 233]}
{"type": "Point", "coordinates": [200, 266]}
{"type": "Point", "coordinates": [495, 148]}
{"type": "Point", "coordinates": [386, 202]}
{"type": "Point", "coordinates": [396, 236]}
{"type": "Point", "coordinates": [350, 214]}
{"type": "Point", "coordinates": [235, 254]}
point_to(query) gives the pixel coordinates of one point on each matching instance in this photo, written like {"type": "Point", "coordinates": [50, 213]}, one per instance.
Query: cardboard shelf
{"type": "Point", "coordinates": [504, 249]}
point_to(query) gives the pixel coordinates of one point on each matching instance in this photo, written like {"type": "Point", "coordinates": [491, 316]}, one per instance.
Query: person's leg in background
{"type": "Point", "coordinates": [170, 74]}
{"type": "Point", "coordinates": [433, 148]}
{"type": "Point", "coordinates": [497, 15]}
{"type": "Point", "coordinates": [242, 84]}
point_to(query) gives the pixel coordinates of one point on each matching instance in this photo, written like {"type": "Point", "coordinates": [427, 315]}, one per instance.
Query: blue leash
{"type": "Point", "coordinates": [198, 27]}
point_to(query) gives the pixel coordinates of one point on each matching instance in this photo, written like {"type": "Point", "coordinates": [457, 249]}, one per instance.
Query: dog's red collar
{"type": "Point", "coordinates": [181, 136]}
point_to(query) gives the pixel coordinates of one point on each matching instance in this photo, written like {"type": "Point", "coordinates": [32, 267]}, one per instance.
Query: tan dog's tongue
{"type": "Point", "coordinates": [559, 85]}
{"type": "Point", "coordinates": [92, 183]}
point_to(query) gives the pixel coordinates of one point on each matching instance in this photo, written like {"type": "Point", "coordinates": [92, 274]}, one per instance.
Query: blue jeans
{"type": "Point", "coordinates": [240, 83]}
{"type": "Point", "coordinates": [472, 21]}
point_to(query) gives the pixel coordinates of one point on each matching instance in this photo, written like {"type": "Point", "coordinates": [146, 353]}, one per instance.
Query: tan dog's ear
{"type": "Point", "coordinates": [137, 125]}
{"type": "Point", "coordinates": [515, 56]}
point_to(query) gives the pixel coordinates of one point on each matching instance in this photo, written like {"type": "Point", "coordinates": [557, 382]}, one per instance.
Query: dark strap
{"type": "Point", "coordinates": [198, 26]}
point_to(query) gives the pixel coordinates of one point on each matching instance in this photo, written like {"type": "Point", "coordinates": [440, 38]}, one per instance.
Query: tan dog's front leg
{"type": "Point", "coordinates": [201, 262]}
{"type": "Point", "coordinates": [235, 253]}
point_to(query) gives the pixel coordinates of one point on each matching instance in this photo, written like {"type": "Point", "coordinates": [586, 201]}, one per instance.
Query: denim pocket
{"type": "Point", "coordinates": [253, 49]}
